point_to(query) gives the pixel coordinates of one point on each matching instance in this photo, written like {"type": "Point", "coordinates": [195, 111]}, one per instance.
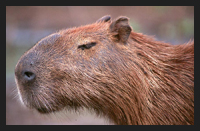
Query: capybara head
{"type": "Point", "coordinates": [107, 67]}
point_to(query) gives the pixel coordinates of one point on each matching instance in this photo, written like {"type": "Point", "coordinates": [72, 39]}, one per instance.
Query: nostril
{"type": "Point", "coordinates": [28, 75]}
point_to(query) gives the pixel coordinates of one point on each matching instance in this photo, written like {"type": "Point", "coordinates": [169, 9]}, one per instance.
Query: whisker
{"type": "Point", "coordinates": [45, 102]}
{"type": "Point", "coordinates": [36, 100]}
{"type": "Point", "coordinates": [14, 93]}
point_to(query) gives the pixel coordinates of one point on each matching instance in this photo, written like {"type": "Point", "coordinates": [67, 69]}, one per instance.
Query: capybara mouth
{"type": "Point", "coordinates": [44, 110]}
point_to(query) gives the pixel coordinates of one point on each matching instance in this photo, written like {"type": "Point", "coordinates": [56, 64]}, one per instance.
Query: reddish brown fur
{"type": "Point", "coordinates": [127, 76]}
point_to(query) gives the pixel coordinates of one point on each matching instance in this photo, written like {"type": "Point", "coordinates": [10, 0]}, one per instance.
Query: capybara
{"type": "Point", "coordinates": [107, 67]}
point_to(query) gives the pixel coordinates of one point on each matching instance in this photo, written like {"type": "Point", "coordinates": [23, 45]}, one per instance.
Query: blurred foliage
{"type": "Point", "coordinates": [135, 25]}
{"type": "Point", "coordinates": [13, 53]}
{"type": "Point", "coordinates": [176, 30]}
{"type": "Point", "coordinates": [187, 26]}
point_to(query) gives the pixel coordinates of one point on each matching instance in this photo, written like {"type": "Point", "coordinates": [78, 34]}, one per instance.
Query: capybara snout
{"type": "Point", "coordinates": [107, 67]}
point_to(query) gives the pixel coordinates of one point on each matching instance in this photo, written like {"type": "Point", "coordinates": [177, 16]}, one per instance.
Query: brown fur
{"type": "Point", "coordinates": [127, 76]}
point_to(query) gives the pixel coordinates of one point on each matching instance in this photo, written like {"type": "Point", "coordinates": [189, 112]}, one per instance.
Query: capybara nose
{"type": "Point", "coordinates": [28, 76]}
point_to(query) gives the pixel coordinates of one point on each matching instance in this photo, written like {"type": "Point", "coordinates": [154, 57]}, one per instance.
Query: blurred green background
{"type": "Point", "coordinates": [25, 25]}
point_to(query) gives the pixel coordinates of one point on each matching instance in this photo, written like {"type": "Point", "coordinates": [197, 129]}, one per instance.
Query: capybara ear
{"type": "Point", "coordinates": [121, 29]}
{"type": "Point", "coordinates": [105, 18]}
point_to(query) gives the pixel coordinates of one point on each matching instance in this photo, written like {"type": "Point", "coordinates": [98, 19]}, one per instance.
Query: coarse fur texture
{"type": "Point", "coordinates": [107, 67]}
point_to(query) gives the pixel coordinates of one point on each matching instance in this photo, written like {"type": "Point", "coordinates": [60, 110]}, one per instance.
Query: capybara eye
{"type": "Point", "coordinates": [87, 46]}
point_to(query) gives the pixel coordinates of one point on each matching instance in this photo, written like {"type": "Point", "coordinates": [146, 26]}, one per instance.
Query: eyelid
{"type": "Point", "coordinates": [87, 46]}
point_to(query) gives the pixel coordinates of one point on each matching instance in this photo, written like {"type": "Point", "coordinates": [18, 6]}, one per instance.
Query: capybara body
{"type": "Point", "coordinates": [107, 67]}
